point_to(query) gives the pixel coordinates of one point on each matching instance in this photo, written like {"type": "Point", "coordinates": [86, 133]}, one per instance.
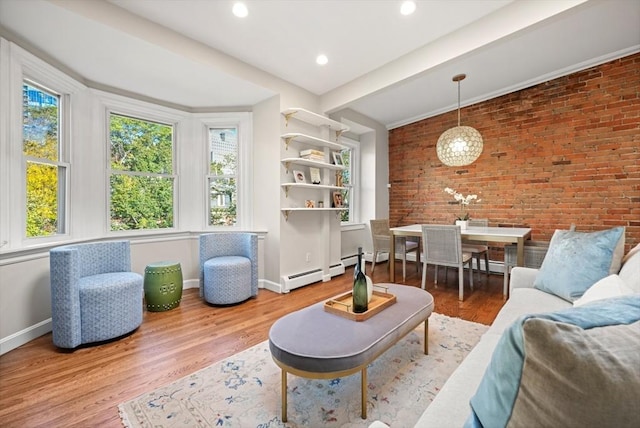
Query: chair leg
{"type": "Point", "coordinates": [424, 276]}
{"type": "Point", "coordinates": [461, 281]}
{"type": "Point", "coordinates": [435, 281]}
{"type": "Point", "coordinates": [470, 276]}
{"type": "Point", "coordinates": [404, 267]}
{"type": "Point", "coordinates": [486, 262]}
{"type": "Point", "coordinates": [373, 261]}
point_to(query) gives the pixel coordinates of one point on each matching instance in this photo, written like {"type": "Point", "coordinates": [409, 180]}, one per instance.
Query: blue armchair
{"type": "Point", "coordinates": [94, 294]}
{"type": "Point", "coordinates": [228, 267]}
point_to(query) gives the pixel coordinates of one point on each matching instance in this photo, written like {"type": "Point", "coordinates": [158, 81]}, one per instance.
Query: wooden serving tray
{"type": "Point", "coordinates": [342, 305]}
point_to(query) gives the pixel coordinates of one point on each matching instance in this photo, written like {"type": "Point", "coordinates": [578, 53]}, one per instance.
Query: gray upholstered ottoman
{"type": "Point", "coordinates": [316, 344]}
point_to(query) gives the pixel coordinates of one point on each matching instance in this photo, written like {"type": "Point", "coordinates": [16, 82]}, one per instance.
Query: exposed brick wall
{"type": "Point", "coordinates": [561, 152]}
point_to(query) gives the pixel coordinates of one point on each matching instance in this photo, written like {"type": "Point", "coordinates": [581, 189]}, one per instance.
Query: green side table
{"type": "Point", "coordinates": [162, 286]}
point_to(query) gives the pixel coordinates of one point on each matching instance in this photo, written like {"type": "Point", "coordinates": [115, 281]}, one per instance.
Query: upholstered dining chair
{"type": "Point", "coordinates": [228, 267]}
{"type": "Point", "coordinates": [381, 237]}
{"type": "Point", "coordinates": [94, 294]}
{"type": "Point", "coordinates": [442, 246]}
{"type": "Point", "coordinates": [478, 250]}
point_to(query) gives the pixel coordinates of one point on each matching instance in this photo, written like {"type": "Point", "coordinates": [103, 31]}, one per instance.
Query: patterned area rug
{"type": "Point", "coordinates": [244, 390]}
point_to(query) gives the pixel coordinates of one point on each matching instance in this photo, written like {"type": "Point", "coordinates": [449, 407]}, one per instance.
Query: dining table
{"type": "Point", "coordinates": [510, 235]}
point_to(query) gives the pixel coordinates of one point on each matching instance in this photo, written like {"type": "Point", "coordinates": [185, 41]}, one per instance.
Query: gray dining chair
{"type": "Point", "coordinates": [442, 246]}
{"type": "Point", "coordinates": [381, 237]}
{"type": "Point", "coordinates": [478, 250]}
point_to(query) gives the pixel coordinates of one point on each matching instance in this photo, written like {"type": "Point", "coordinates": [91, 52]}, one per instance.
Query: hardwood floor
{"type": "Point", "coordinates": [42, 386]}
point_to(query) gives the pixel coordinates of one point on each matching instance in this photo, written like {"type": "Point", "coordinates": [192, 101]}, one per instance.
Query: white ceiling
{"type": "Point", "coordinates": [395, 69]}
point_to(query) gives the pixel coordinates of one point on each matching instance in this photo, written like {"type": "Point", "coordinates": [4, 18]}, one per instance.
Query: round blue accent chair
{"type": "Point", "coordinates": [228, 267]}
{"type": "Point", "coordinates": [94, 294]}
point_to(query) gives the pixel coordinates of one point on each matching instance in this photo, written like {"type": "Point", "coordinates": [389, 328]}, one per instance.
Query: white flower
{"type": "Point", "coordinates": [463, 201]}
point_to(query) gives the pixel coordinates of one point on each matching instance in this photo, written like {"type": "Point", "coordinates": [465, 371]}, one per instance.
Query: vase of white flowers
{"type": "Point", "coordinates": [463, 224]}
{"type": "Point", "coordinates": [464, 202]}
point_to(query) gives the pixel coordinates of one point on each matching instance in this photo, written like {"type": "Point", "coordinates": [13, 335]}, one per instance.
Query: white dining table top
{"type": "Point", "coordinates": [492, 231]}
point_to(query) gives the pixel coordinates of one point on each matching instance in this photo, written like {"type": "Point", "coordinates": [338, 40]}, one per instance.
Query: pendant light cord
{"type": "Point", "coordinates": [458, 103]}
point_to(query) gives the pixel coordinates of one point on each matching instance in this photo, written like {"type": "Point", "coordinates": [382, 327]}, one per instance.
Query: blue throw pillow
{"type": "Point", "coordinates": [577, 260]}
{"type": "Point", "coordinates": [601, 339]}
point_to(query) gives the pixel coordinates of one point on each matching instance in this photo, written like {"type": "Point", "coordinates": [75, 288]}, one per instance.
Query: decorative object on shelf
{"type": "Point", "coordinates": [464, 202]}
{"type": "Point", "coordinates": [312, 154]}
{"type": "Point", "coordinates": [299, 176]}
{"type": "Point", "coordinates": [309, 203]}
{"type": "Point", "coordinates": [337, 199]}
{"type": "Point", "coordinates": [314, 174]}
{"type": "Point", "coordinates": [339, 179]}
{"type": "Point", "coordinates": [320, 204]}
{"type": "Point", "coordinates": [360, 294]}
{"type": "Point", "coordinates": [337, 158]}
{"type": "Point", "coordinates": [460, 145]}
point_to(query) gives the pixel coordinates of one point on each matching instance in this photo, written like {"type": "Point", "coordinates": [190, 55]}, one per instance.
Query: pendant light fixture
{"type": "Point", "coordinates": [461, 145]}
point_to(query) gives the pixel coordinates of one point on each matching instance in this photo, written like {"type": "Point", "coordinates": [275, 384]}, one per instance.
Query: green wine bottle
{"type": "Point", "coordinates": [360, 297]}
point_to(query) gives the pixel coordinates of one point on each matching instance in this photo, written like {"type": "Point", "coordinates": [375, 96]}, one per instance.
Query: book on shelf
{"type": "Point", "coordinates": [312, 152]}
{"type": "Point", "coordinates": [313, 158]}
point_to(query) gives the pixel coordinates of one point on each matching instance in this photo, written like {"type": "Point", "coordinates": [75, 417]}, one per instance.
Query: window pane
{"type": "Point", "coordinates": [222, 202]}
{"type": "Point", "coordinates": [40, 123]}
{"type": "Point", "coordinates": [224, 151]}
{"type": "Point", "coordinates": [42, 199]}
{"type": "Point", "coordinates": [223, 166]}
{"type": "Point", "coordinates": [345, 215]}
{"type": "Point", "coordinates": [45, 178]}
{"type": "Point", "coordinates": [141, 202]}
{"type": "Point", "coordinates": [140, 145]}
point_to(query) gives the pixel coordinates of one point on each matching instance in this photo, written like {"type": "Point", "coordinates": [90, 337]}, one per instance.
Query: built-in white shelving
{"type": "Point", "coordinates": [306, 140]}
{"type": "Point", "coordinates": [314, 119]}
{"type": "Point", "coordinates": [306, 162]}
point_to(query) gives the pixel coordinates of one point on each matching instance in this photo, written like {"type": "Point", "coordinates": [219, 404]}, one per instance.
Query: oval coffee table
{"type": "Point", "coordinates": [317, 344]}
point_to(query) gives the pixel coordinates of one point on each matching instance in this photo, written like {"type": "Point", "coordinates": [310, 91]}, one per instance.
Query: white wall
{"type": "Point", "coordinates": [25, 308]}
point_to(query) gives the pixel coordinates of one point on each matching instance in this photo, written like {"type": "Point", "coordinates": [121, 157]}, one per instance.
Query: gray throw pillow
{"type": "Point", "coordinates": [579, 378]}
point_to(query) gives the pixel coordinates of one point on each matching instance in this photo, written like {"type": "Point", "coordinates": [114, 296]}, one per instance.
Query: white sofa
{"type": "Point", "coordinates": [451, 408]}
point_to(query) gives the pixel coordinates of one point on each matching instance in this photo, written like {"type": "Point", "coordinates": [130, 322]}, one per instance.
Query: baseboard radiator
{"type": "Point", "coordinates": [293, 281]}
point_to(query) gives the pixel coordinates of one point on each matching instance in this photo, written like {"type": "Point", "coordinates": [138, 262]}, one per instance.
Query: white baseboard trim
{"type": "Point", "coordinates": [28, 334]}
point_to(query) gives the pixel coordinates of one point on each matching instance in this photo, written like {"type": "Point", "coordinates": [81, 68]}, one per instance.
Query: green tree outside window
{"type": "Point", "coordinates": [141, 181]}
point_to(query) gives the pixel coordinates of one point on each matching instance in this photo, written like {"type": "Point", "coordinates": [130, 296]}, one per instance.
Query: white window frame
{"type": "Point", "coordinates": [144, 111]}
{"type": "Point", "coordinates": [18, 65]}
{"type": "Point", "coordinates": [354, 185]}
{"type": "Point", "coordinates": [62, 163]}
{"type": "Point", "coordinates": [242, 121]}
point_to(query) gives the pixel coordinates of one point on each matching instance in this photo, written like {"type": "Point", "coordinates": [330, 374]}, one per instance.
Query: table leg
{"type": "Point", "coordinates": [392, 259]}
{"type": "Point", "coordinates": [426, 336]}
{"type": "Point", "coordinates": [363, 387]}
{"type": "Point", "coordinates": [284, 395]}
{"type": "Point", "coordinates": [520, 259]}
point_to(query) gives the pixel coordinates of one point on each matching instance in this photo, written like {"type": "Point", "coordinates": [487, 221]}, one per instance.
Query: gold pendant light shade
{"type": "Point", "coordinates": [460, 145]}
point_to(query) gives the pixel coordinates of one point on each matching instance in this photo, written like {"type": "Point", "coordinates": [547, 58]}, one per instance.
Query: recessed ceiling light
{"type": "Point", "coordinates": [322, 59]}
{"type": "Point", "coordinates": [240, 10]}
{"type": "Point", "coordinates": [408, 7]}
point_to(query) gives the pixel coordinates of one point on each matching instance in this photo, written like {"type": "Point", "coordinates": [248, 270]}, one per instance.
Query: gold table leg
{"type": "Point", "coordinates": [426, 336]}
{"type": "Point", "coordinates": [284, 395]}
{"type": "Point", "coordinates": [363, 387]}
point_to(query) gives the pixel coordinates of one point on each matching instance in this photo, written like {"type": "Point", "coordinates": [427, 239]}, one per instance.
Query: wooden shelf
{"type": "Point", "coordinates": [306, 162]}
{"type": "Point", "coordinates": [313, 119]}
{"type": "Point", "coordinates": [286, 211]}
{"type": "Point", "coordinates": [309, 140]}
{"type": "Point", "coordinates": [287, 186]}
